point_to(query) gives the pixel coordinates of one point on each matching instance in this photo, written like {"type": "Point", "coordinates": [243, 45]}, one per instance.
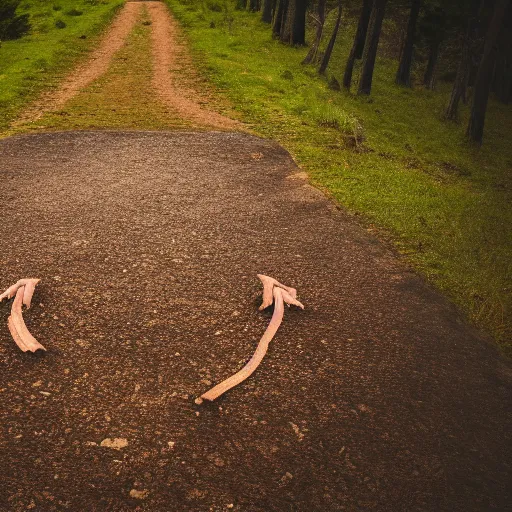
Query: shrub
{"type": "Point", "coordinates": [60, 24]}
{"type": "Point", "coordinates": [74, 12]}
{"type": "Point", "coordinates": [12, 26]}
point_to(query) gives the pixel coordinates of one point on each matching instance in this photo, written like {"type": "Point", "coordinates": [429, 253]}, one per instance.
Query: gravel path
{"type": "Point", "coordinates": [376, 397]}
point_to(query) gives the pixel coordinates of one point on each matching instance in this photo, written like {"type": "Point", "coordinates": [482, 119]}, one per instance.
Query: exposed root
{"type": "Point", "coordinates": [29, 284]}
{"type": "Point", "coordinates": [268, 286]}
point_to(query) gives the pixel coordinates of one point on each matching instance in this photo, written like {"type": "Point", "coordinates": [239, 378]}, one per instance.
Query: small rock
{"type": "Point", "coordinates": [45, 393]}
{"type": "Point", "coordinates": [297, 431]}
{"type": "Point", "coordinates": [139, 495]}
{"type": "Point", "coordinates": [286, 478]}
{"type": "Point", "coordinates": [171, 444]}
{"type": "Point", "coordinates": [116, 443]}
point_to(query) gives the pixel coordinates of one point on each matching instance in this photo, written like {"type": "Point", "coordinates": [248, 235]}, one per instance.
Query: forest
{"type": "Point", "coordinates": [479, 31]}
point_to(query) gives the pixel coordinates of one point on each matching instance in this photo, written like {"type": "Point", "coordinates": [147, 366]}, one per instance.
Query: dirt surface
{"type": "Point", "coordinates": [95, 67]}
{"type": "Point", "coordinates": [169, 58]}
{"type": "Point", "coordinates": [376, 397]}
{"type": "Point", "coordinates": [170, 62]}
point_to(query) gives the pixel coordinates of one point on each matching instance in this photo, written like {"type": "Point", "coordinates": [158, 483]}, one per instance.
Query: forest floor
{"type": "Point", "coordinates": [148, 229]}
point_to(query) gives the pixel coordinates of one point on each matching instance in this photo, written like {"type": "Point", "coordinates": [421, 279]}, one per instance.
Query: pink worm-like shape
{"type": "Point", "coordinates": [29, 284]}
{"type": "Point", "coordinates": [17, 327]}
{"type": "Point", "coordinates": [280, 296]}
{"type": "Point", "coordinates": [268, 286]}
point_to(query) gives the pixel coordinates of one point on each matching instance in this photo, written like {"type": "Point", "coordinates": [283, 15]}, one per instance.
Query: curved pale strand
{"type": "Point", "coordinates": [15, 336]}
{"type": "Point", "coordinates": [258, 356]}
{"type": "Point", "coordinates": [16, 320]}
{"type": "Point", "coordinates": [291, 300]}
{"type": "Point", "coordinates": [30, 288]}
{"type": "Point", "coordinates": [15, 287]}
{"type": "Point", "coordinates": [268, 285]}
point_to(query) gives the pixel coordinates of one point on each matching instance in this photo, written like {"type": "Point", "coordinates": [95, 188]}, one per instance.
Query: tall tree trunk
{"type": "Point", "coordinates": [266, 14]}
{"type": "Point", "coordinates": [299, 23]}
{"type": "Point", "coordinates": [279, 17]}
{"type": "Point", "coordinates": [286, 25]}
{"type": "Point", "coordinates": [328, 51]}
{"type": "Point", "coordinates": [370, 46]}
{"type": "Point", "coordinates": [293, 30]}
{"type": "Point", "coordinates": [429, 79]}
{"type": "Point", "coordinates": [461, 80]}
{"type": "Point", "coordinates": [403, 74]}
{"type": "Point", "coordinates": [502, 80]}
{"type": "Point", "coordinates": [253, 5]}
{"type": "Point", "coordinates": [475, 129]}
{"type": "Point", "coordinates": [313, 51]}
{"type": "Point", "coordinates": [463, 70]}
{"type": "Point", "coordinates": [356, 51]}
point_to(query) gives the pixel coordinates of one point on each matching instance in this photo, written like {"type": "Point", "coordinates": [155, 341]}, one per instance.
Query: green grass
{"type": "Point", "coordinates": [38, 60]}
{"type": "Point", "coordinates": [415, 180]}
{"type": "Point", "coordinates": [122, 98]}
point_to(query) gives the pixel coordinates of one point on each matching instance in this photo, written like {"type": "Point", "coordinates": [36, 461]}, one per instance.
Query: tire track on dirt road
{"type": "Point", "coordinates": [168, 54]}
{"type": "Point", "coordinates": [91, 70]}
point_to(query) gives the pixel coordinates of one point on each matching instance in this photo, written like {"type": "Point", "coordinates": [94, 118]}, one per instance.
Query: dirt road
{"type": "Point", "coordinates": [376, 397]}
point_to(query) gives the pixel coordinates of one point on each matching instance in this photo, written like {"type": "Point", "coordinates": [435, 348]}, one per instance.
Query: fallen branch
{"type": "Point", "coordinates": [24, 290]}
{"type": "Point", "coordinates": [280, 294]}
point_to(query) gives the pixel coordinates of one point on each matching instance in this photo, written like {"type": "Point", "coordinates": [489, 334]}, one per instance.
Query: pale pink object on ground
{"type": "Point", "coordinates": [24, 290]}
{"type": "Point", "coordinates": [268, 286]}
{"type": "Point", "coordinates": [280, 294]}
{"type": "Point", "coordinates": [29, 284]}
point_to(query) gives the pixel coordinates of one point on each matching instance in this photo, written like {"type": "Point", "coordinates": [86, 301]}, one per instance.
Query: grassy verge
{"type": "Point", "coordinates": [38, 61]}
{"type": "Point", "coordinates": [444, 204]}
{"type": "Point", "coordinates": [123, 98]}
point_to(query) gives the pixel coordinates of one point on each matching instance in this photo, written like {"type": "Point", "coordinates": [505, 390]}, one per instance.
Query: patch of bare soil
{"type": "Point", "coordinates": [376, 398]}
{"type": "Point", "coordinates": [170, 58]}
{"type": "Point", "coordinates": [95, 67]}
